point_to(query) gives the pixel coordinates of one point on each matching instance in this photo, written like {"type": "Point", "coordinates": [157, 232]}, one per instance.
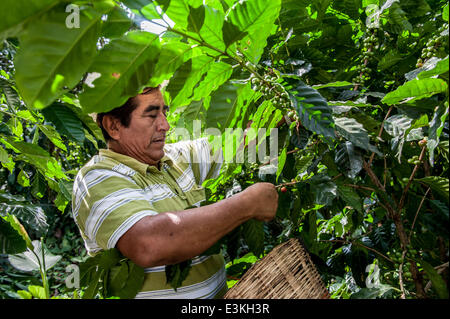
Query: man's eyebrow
{"type": "Point", "coordinates": [151, 108]}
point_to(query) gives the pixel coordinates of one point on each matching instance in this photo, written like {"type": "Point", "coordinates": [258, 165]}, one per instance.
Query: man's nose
{"type": "Point", "coordinates": [163, 124]}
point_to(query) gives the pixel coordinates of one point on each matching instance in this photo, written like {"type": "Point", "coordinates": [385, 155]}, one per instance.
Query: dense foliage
{"type": "Point", "coordinates": [357, 90]}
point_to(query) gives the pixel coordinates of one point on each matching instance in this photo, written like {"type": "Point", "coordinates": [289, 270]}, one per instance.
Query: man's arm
{"type": "Point", "coordinates": [172, 237]}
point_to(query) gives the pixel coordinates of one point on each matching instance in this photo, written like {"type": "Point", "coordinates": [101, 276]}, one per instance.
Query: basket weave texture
{"type": "Point", "coordinates": [287, 272]}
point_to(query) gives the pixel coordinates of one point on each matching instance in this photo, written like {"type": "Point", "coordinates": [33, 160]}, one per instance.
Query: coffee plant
{"type": "Point", "coordinates": [357, 91]}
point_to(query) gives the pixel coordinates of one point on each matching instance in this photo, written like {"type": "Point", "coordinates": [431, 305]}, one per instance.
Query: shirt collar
{"type": "Point", "coordinates": [133, 163]}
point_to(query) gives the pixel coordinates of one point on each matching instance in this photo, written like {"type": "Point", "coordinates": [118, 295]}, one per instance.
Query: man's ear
{"type": "Point", "coordinates": [112, 125]}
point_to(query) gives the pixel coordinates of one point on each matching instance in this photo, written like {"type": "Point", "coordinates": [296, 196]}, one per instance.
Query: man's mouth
{"type": "Point", "coordinates": [159, 140]}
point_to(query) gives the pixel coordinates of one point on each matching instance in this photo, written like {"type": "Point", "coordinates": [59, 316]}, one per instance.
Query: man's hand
{"type": "Point", "coordinates": [263, 199]}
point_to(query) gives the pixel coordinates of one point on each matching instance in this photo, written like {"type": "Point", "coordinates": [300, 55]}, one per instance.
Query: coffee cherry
{"type": "Point", "coordinates": [422, 143]}
{"type": "Point", "coordinates": [283, 189]}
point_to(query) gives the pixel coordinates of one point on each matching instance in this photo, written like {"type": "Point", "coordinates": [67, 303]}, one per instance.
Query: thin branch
{"type": "Point", "coordinates": [360, 187]}
{"type": "Point", "coordinates": [405, 191]}
{"type": "Point", "coordinates": [358, 244]}
{"type": "Point", "coordinates": [417, 213]}
{"type": "Point", "coordinates": [381, 132]}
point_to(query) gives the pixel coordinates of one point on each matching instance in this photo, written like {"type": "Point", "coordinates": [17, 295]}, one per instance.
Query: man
{"type": "Point", "coordinates": [134, 196]}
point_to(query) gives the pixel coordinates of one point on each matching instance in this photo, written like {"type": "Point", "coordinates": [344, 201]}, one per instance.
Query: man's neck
{"type": "Point", "coordinates": [116, 147]}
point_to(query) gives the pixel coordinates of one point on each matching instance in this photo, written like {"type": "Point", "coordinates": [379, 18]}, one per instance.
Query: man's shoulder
{"type": "Point", "coordinates": [105, 165]}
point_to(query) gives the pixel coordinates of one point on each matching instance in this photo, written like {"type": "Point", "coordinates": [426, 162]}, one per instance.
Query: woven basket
{"type": "Point", "coordinates": [287, 272]}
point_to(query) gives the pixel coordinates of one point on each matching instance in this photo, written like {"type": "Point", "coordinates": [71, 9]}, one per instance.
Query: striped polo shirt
{"type": "Point", "coordinates": [114, 191]}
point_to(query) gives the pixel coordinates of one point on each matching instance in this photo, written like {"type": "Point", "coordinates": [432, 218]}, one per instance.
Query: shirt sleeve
{"type": "Point", "coordinates": [105, 205]}
{"type": "Point", "coordinates": [206, 160]}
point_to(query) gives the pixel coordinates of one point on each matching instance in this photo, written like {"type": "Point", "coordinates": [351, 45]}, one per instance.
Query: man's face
{"type": "Point", "coordinates": [145, 136]}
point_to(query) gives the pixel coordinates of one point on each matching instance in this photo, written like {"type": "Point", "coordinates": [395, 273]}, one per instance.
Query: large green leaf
{"type": "Point", "coordinates": [255, 16]}
{"type": "Point", "coordinates": [177, 11]}
{"type": "Point", "coordinates": [116, 24]}
{"type": "Point", "coordinates": [415, 90]}
{"type": "Point", "coordinates": [218, 73]}
{"type": "Point", "coordinates": [438, 282]}
{"type": "Point", "coordinates": [65, 120]}
{"type": "Point", "coordinates": [211, 31]}
{"type": "Point", "coordinates": [32, 216]}
{"type": "Point", "coordinates": [173, 55]}
{"type": "Point", "coordinates": [19, 13]}
{"type": "Point", "coordinates": [354, 132]}
{"type": "Point", "coordinates": [438, 68]}
{"type": "Point", "coordinates": [437, 184]}
{"type": "Point", "coordinates": [350, 196]}
{"type": "Point", "coordinates": [11, 242]}
{"type": "Point", "coordinates": [29, 261]}
{"type": "Point", "coordinates": [313, 110]}
{"type": "Point", "coordinates": [253, 232]}
{"type": "Point", "coordinates": [125, 66]}
{"type": "Point", "coordinates": [186, 77]}
{"type": "Point", "coordinates": [36, 156]}
{"type": "Point", "coordinates": [53, 135]}
{"type": "Point", "coordinates": [52, 57]}
{"type": "Point", "coordinates": [349, 159]}
{"type": "Point", "coordinates": [222, 106]}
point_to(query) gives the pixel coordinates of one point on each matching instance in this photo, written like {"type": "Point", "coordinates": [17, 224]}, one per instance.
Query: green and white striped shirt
{"type": "Point", "coordinates": [114, 191]}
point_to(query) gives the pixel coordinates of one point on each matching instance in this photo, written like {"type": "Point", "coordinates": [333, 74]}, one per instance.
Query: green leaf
{"type": "Point", "coordinates": [53, 136]}
{"type": "Point", "coordinates": [253, 232]}
{"type": "Point", "coordinates": [436, 126]}
{"type": "Point", "coordinates": [313, 110]}
{"type": "Point", "coordinates": [281, 162]}
{"type": "Point", "coordinates": [185, 78]}
{"type": "Point", "coordinates": [93, 286]}
{"type": "Point", "coordinates": [38, 186]}
{"type": "Point", "coordinates": [32, 216]}
{"type": "Point", "coordinates": [116, 24]}
{"type": "Point", "coordinates": [125, 66]}
{"type": "Point", "coordinates": [438, 282]}
{"type": "Point", "coordinates": [445, 13]}
{"type": "Point", "coordinates": [371, 293]}
{"type": "Point", "coordinates": [415, 90]}
{"type": "Point", "coordinates": [23, 179]}
{"type": "Point", "coordinates": [351, 197]}
{"type": "Point", "coordinates": [354, 132]}
{"type": "Point", "coordinates": [134, 281]}
{"type": "Point", "coordinates": [178, 12]}
{"type": "Point", "coordinates": [196, 18]}
{"type": "Point", "coordinates": [11, 96]}
{"type": "Point", "coordinates": [439, 68]}
{"type": "Point", "coordinates": [256, 16]}
{"type": "Point", "coordinates": [21, 12]}
{"type": "Point", "coordinates": [437, 184]}
{"type": "Point", "coordinates": [349, 159]}
{"type": "Point", "coordinates": [24, 294]}
{"type": "Point", "coordinates": [37, 291]}
{"type": "Point", "coordinates": [36, 156]}
{"type": "Point", "coordinates": [211, 31]}
{"type": "Point", "coordinates": [177, 273]}
{"type": "Point", "coordinates": [65, 120]}
{"type": "Point", "coordinates": [117, 278]}
{"type": "Point", "coordinates": [173, 55]}
{"type": "Point", "coordinates": [11, 242]}
{"type": "Point", "coordinates": [222, 105]}
{"type": "Point", "coordinates": [217, 74]}
{"type": "Point", "coordinates": [332, 85]}
{"type": "Point", "coordinates": [52, 58]}
{"type": "Point", "coordinates": [390, 59]}
{"type": "Point", "coordinates": [324, 189]}
{"type": "Point", "coordinates": [302, 163]}
{"type": "Point", "coordinates": [27, 261]}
